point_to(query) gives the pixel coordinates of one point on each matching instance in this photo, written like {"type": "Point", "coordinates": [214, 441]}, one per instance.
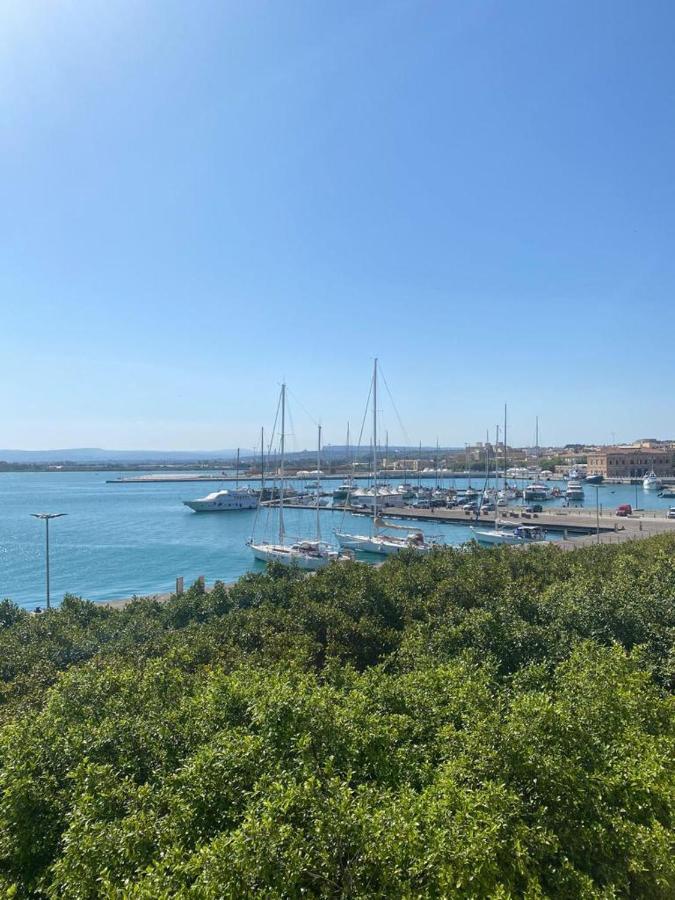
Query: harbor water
{"type": "Point", "coordinates": [118, 540]}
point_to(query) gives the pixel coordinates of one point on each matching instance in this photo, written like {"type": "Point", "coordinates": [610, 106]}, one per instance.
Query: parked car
{"type": "Point", "coordinates": [671, 513]}
{"type": "Point", "coordinates": [422, 504]}
{"type": "Point", "coordinates": [624, 510]}
{"type": "Point", "coordinates": [534, 508]}
{"type": "Point", "coordinates": [470, 507]}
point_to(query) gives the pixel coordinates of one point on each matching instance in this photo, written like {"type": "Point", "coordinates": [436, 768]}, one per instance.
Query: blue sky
{"type": "Point", "coordinates": [199, 199]}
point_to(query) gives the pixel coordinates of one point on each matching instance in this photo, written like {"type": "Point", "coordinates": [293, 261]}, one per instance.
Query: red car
{"type": "Point", "coordinates": [624, 510]}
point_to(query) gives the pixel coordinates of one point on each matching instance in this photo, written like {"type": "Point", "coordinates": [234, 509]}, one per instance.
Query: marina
{"type": "Point", "coordinates": [120, 540]}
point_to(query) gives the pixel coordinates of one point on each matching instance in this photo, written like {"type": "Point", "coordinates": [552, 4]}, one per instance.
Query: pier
{"type": "Point", "coordinates": [573, 520]}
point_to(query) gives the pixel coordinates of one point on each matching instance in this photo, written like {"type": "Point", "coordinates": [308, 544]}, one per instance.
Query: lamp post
{"type": "Point", "coordinates": [46, 517]}
{"type": "Point", "coordinates": [597, 513]}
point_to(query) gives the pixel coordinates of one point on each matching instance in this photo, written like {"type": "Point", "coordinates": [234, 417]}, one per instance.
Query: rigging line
{"type": "Point", "coordinates": [400, 421]}
{"type": "Point", "coordinates": [302, 406]}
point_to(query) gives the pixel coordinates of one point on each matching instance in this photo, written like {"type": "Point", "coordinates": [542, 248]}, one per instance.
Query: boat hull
{"type": "Point", "coordinates": [288, 557]}
{"type": "Point", "coordinates": [495, 537]}
{"type": "Point", "coordinates": [207, 506]}
{"type": "Point", "coordinates": [380, 546]}
{"type": "Point", "coordinates": [498, 536]}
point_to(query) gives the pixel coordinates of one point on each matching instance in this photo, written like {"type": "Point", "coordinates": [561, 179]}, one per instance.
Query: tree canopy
{"type": "Point", "coordinates": [475, 723]}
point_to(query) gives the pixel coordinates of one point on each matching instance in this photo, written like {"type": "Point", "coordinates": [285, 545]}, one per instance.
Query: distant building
{"type": "Point", "coordinates": [631, 462]}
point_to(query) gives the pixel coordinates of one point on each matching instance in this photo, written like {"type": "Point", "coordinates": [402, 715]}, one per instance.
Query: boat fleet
{"type": "Point", "coordinates": [312, 551]}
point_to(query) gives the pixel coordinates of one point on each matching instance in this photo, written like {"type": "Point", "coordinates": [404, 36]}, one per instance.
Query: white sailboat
{"type": "Point", "coordinates": [376, 541]}
{"type": "Point", "coordinates": [521, 534]}
{"type": "Point", "coordinates": [308, 554]}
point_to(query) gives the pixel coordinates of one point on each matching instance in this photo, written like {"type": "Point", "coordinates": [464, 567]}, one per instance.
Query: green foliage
{"type": "Point", "coordinates": [477, 723]}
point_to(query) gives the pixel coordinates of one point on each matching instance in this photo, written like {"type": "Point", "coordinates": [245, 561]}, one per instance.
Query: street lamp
{"type": "Point", "coordinates": [47, 517]}
{"type": "Point", "coordinates": [597, 512]}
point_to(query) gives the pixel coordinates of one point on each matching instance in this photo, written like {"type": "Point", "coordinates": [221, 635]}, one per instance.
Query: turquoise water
{"type": "Point", "coordinates": [123, 539]}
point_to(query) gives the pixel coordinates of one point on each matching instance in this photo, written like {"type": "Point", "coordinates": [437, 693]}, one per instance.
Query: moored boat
{"type": "Point", "coordinates": [650, 482]}
{"type": "Point", "coordinates": [574, 492]}
{"type": "Point", "coordinates": [309, 555]}
{"type": "Point", "coordinates": [224, 501]}
{"type": "Point", "coordinates": [377, 498]}
{"type": "Point", "coordinates": [521, 534]}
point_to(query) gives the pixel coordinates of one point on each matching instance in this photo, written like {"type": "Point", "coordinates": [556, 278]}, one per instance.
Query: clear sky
{"type": "Point", "coordinates": [199, 199]}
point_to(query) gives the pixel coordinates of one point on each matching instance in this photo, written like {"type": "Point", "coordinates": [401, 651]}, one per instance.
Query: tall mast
{"type": "Point", "coordinates": [375, 439]}
{"type": "Point", "coordinates": [496, 458]}
{"type": "Point", "coordinates": [419, 467]}
{"type": "Point", "coordinates": [350, 461]}
{"type": "Point", "coordinates": [236, 477]}
{"type": "Point", "coordinates": [536, 444]}
{"type": "Point", "coordinates": [436, 465]}
{"type": "Point", "coordinates": [487, 458]}
{"type": "Point", "coordinates": [318, 485]}
{"type": "Point", "coordinates": [262, 463]}
{"type": "Point", "coordinates": [505, 450]}
{"type": "Point", "coordinates": [281, 465]}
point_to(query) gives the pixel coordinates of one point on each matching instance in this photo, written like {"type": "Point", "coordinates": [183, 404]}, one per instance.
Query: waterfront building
{"type": "Point", "coordinates": [631, 462]}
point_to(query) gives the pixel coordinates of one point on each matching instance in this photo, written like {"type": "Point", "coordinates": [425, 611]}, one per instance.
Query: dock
{"type": "Point", "coordinates": [570, 520]}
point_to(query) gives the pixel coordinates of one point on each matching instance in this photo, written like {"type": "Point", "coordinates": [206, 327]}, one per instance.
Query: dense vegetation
{"type": "Point", "coordinates": [480, 723]}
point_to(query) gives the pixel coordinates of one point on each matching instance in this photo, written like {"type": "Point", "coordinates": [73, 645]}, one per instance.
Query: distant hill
{"type": "Point", "coordinates": [84, 455]}
{"type": "Point", "coordinates": [98, 455]}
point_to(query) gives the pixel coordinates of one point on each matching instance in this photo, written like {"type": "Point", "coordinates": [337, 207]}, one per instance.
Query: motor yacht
{"type": "Point", "coordinates": [225, 501]}
{"type": "Point", "coordinates": [650, 482]}
{"type": "Point", "coordinates": [536, 491]}
{"type": "Point", "coordinates": [574, 492]}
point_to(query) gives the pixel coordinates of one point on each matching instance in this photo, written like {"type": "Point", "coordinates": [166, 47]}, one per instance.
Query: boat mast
{"type": "Point", "coordinates": [487, 459]}
{"type": "Point", "coordinates": [236, 476]}
{"type": "Point", "coordinates": [318, 486]}
{"type": "Point", "coordinates": [281, 465]}
{"type": "Point", "coordinates": [496, 459]}
{"type": "Point", "coordinates": [374, 441]}
{"type": "Point", "coordinates": [350, 460]}
{"type": "Point", "coordinates": [536, 445]}
{"type": "Point", "coordinates": [419, 467]}
{"type": "Point", "coordinates": [505, 451]}
{"type": "Point", "coordinates": [262, 463]}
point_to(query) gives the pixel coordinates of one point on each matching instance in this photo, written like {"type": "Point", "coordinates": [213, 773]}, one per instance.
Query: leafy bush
{"type": "Point", "coordinates": [477, 723]}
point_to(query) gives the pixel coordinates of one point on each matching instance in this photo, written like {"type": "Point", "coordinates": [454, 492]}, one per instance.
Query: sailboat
{"type": "Point", "coordinates": [342, 492]}
{"type": "Point", "coordinates": [536, 490]}
{"type": "Point", "coordinates": [376, 541]}
{"type": "Point", "coordinates": [308, 554]}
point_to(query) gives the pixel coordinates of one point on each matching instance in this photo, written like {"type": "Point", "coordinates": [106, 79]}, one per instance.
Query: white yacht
{"type": "Point", "coordinates": [575, 491]}
{"type": "Point", "coordinates": [650, 482]}
{"type": "Point", "coordinates": [536, 491]}
{"type": "Point", "coordinates": [522, 534]}
{"type": "Point", "coordinates": [376, 541]}
{"type": "Point", "coordinates": [225, 501]}
{"type": "Point", "coordinates": [371, 497]}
